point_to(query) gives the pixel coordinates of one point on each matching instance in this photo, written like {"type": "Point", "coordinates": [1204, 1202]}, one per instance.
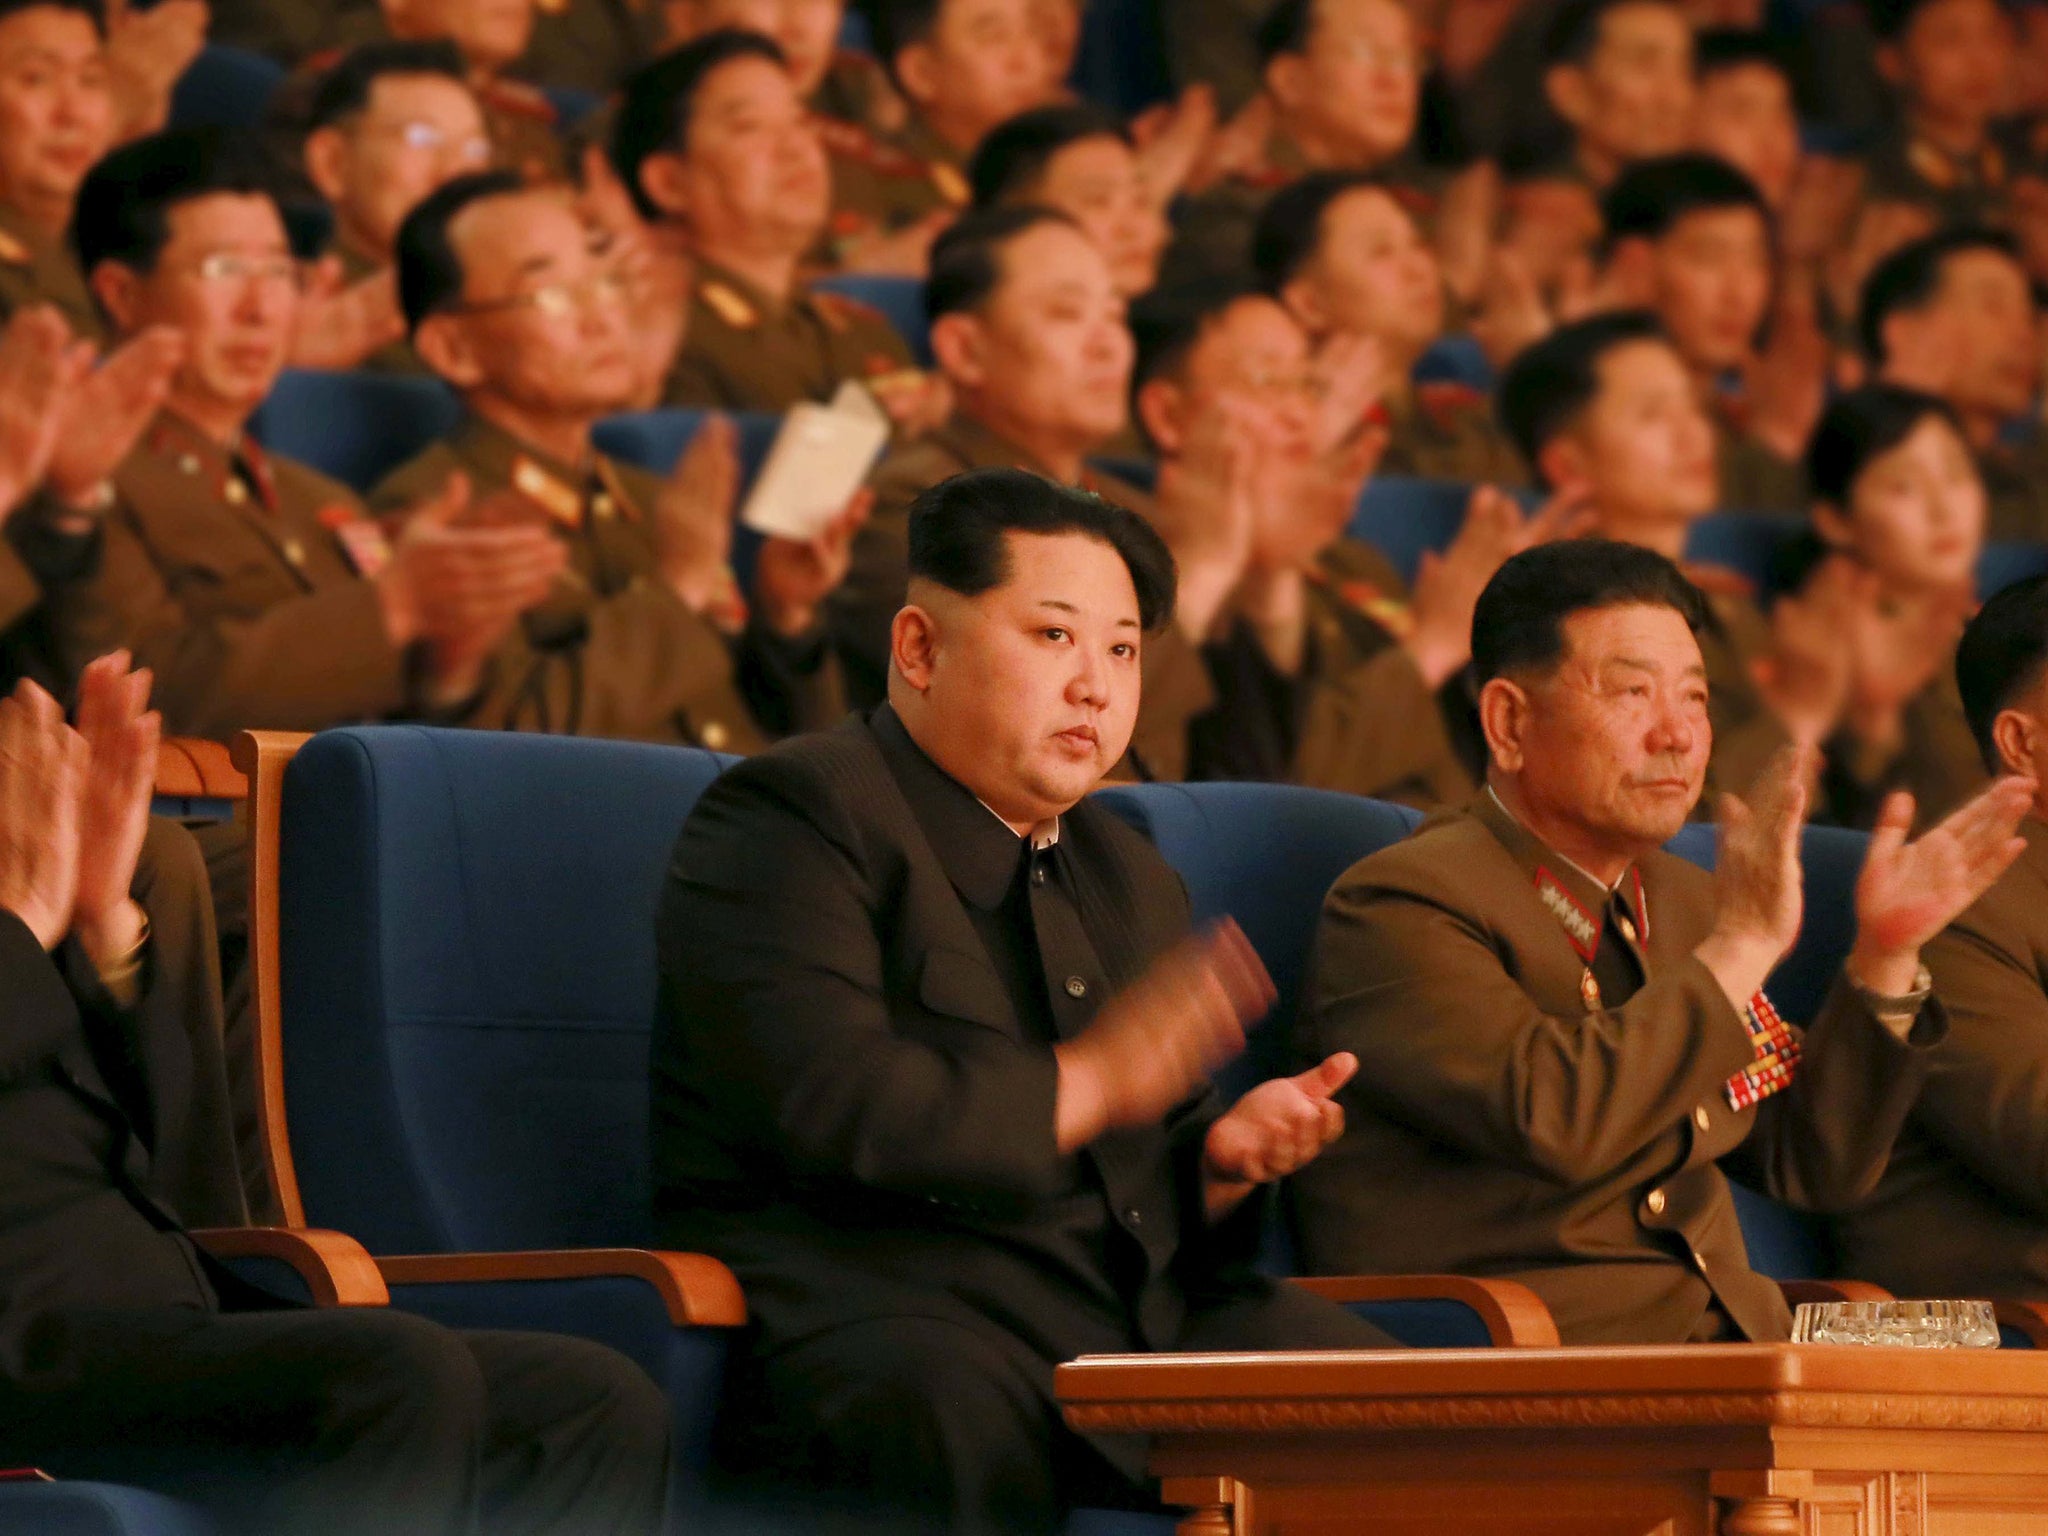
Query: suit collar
{"type": "Point", "coordinates": [979, 852]}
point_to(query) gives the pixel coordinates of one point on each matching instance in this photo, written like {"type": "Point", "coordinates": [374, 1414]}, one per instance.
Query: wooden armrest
{"type": "Point", "coordinates": [336, 1268]}
{"type": "Point", "coordinates": [1798, 1291]}
{"type": "Point", "coordinates": [2026, 1317]}
{"type": "Point", "coordinates": [1513, 1314]}
{"type": "Point", "coordinates": [697, 1289]}
{"type": "Point", "coordinates": [189, 768]}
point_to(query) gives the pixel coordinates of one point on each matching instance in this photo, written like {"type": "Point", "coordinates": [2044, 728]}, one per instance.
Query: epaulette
{"type": "Point", "coordinates": [841, 312]}
{"type": "Point", "coordinates": [1718, 580]}
{"type": "Point", "coordinates": [1930, 165]}
{"type": "Point", "coordinates": [519, 99]}
{"type": "Point", "coordinates": [728, 303]}
{"type": "Point", "coordinates": [850, 141]}
{"type": "Point", "coordinates": [1445, 401]}
{"type": "Point", "coordinates": [15, 252]}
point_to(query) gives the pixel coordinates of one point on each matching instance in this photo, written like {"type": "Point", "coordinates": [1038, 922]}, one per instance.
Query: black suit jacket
{"type": "Point", "coordinates": [847, 1106]}
{"type": "Point", "coordinates": [114, 1123]}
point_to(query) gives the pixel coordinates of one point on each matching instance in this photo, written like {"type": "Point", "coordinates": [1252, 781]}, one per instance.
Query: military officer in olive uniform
{"type": "Point", "coordinates": [1564, 1043]}
{"type": "Point", "coordinates": [590, 45]}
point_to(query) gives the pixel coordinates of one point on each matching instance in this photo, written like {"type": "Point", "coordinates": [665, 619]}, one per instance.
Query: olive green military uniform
{"type": "Point", "coordinates": [1936, 761]}
{"type": "Point", "coordinates": [744, 351]}
{"type": "Point", "coordinates": [1752, 478]}
{"type": "Point", "coordinates": [1746, 733]}
{"type": "Point", "coordinates": [1215, 43]}
{"type": "Point", "coordinates": [394, 356]}
{"type": "Point", "coordinates": [590, 45]}
{"type": "Point", "coordinates": [881, 185]}
{"type": "Point", "coordinates": [1176, 685]}
{"type": "Point", "coordinates": [1962, 1209]}
{"type": "Point", "coordinates": [37, 270]}
{"type": "Point", "coordinates": [1447, 431]}
{"type": "Point", "coordinates": [1550, 1087]}
{"type": "Point", "coordinates": [1962, 189]}
{"type": "Point", "coordinates": [2016, 489]}
{"type": "Point", "coordinates": [615, 652]}
{"type": "Point", "coordinates": [37, 557]}
{"type": "Point", "coordinates": [856, 89]}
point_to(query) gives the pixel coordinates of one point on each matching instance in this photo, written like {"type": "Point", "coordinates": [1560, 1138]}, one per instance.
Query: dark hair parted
{"type": "Point", "coordinates": [1167, 322]}
{"type": "Point", "coordinates": [92, 10]}
{"type": "Point", "coordinates": [1652, 197]}
{"type": "Point", "coordinates": [1285, 28]}
{"type": "Point", "coordinates": [2004, 652]}
{"type": "Point", "coordinates": [957, 529]}
{"type": "Point", "coordinates": [967, 259]}
{"type": "Point", "coordinates": [345, 89]}
{"type": "Point", "coordinates": [1720, 50]}
{"type": "Point", "coordinates": [1857, 427]}
{"type": "Point", "coordinates": [429, 269]}
{"type": "Point", "coordinates": [1889, 19]}
{"type": "Point", "coordinates": [656, 101]}
{"type": "Point", "coordinates": [1551, 382]}
{"type": "Point", "coordinates": [1290, 228]}
{"type": "Point", "coordinates": [1908, 280]}
{"type": "Point", "coordinates": [1518, 624]}
{"type": "Point", "coordinates": [1011, 159]}
{"type": "Point", "coordinates": [124, 206]}
{"type": "Point", "coordinates": [1574, 30]}
{"type": "Point", "coordinates": [897, 24]}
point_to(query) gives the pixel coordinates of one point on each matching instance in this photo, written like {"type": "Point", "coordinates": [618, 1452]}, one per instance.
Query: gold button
{"type": "Point", "coordinates": [1076, 987]}
{"type": "Point", "coordinates": [601, 505]}
{"type": "Point", "coordinates": [1628, 929]}
{"type": "Point", "coordinates": [188, 464]}
{"type": "Point", "coordinates": [1701, 1118]}
{"type": "Point", "coordinates": [294, 552]}
{"type": "Point", "coordinates": [713, 735]}
{"type": "Point", "coordinates": [236, 493]}
{"type": "Point", "coordinates": [1655, 1202]}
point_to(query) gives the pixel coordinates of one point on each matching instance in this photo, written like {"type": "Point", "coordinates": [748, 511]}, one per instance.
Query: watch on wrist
{"type": "Point", "coordinates": [1903, 1007]}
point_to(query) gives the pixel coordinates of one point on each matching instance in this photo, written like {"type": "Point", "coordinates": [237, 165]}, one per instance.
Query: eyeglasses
{"type": "Point", "coordinates": [557, 301]}
{"type": "Point", "coordinates": [222, 269]}
{"type": "Point", "coordinates": [430, 138]}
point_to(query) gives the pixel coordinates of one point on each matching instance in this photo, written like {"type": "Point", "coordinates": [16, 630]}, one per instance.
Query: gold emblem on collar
{"type": "Point", "coordinates": [1589, 989]}
{"type": "Point", "coordinates": [559, 501]}
{"type": "Point", "coordinates": [952, 183]}
{"type": "Point", "coordinates": [13, 251]}
{"type": "Point", "coordinates": [729, 304]}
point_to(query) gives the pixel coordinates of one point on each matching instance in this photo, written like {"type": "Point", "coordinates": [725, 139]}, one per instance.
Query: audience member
{"type": "Point", "coordinates": [1618, 74]}
{"type": "Point", "coordinates": [1953, 315]}
{"type": "Point", "coordinates": [1743, 111]}
{"type": "Point", "coordinates": [1898, 507]}
{"type": "Point", "coordinates": [1950, 63]}
{"type": "Point", "coordinates": [842, 84]}
{"type": "Point", "coordinates": [716, 149]}
{"type": "Point", "coordinates": [942, 1104]}
{"type": "Point", "coordinates": [389, 124]}
{"type": "Point", "coordinates": [1689, 239]}
{"type": "Point", "coordinates": [1561, 1028]}
{"type": "Point", "coordinates": [1080, 161]}
{"type": "Point", "coordinates": [133, 1357]}
{"type": "Point", "coordinates": [1346, 258]}
{"type": "Point", "coordinates": [1961, 1210]}
{"type": "Point", "coordinates": [1029, 330]}
{"type": "Point", "coordinates": [646, 633]}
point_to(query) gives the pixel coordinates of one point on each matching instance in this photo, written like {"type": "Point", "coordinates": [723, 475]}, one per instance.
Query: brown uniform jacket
{"type": "Point", "coordinates": [881, 184]}
{"type": "Point", "coordinates": [1937, 761]}
{"type": "Point", "coordinates": [1971, 189]}
{"type": "Point", "coordinates": [1751, 477]}
{"type": "Point", "coordinates": [590, 45]}
{"type": "Point", "coordinates": [743, 351]}
{"type": "Point", "coordinates": [615, 653]}
{"type": "Point", "coordinates": [394, 356]}
{"type": "Point", "coordinates": [37, 270]}
{"type": "Point", "coordinates": [1503, 1122]}
{"type": "Point", "coordinates": [856, 89]}
{"type": "Point", "coordinates": [1176, 684]}
{"type": "Point", "coordinates": [2016, 489]}
{"type": "Point", "coordinates": [1746, 733]}
{"type": "Point", "coordinates": [1447, 431]}
{"type": "Point", "coordinates": [1963, 1208]}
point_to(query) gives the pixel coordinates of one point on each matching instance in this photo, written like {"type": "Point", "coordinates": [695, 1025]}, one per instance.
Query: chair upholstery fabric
{"type": "Point", "coordinates": [357, 427]}
{"type": "Point", "coordinates": [97, 1509]}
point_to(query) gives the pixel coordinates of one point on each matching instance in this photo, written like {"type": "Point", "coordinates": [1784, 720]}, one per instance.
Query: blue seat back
{"type": "Point", "coordinates": [1265, 854]}
{"type": "Point", "coordinates": [900, 299]}
{"type": "Point", "coordinates": [1403, 515]}
{"type": "Point", "coordinates": [468, 982]}
{"type": "Point", "coordinates": [357, 427]}
{"type": "Point", "coordinates": [2003, 564]}
{"type": "Point", "coordinates": [1783, 1243]}
{"type": "Point", "coordinates": [1455, 360]}
{"type": "Point", "coordinates": [1744, 542]}
{"type": "Point", "coordinates": [1121, 61]}
{"type": "Point", "coordinates": [224, 87]}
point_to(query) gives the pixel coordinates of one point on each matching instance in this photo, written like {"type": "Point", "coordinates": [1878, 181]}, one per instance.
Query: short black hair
{"type": "Point", "coordinates": [957, 528]}
{"type": "Point", "coordinates": [345, 89]}
{"type": "Point", "coordinates": [1652, 197]}
{"type": "Point", "coordinates": [967, 259]}
{"type": "Point", "coordinates": [1574, 30]}
{"type": "Point", "coordinates": [1552, 381]}
{"type": "Point", "coordinates": [1013, 155]}
{"type": "Point", "coordinates": [124, 205]}
{"type": "Point", "coordinates": [895, 25]}
{"type": "Point", "coordinates": [2003, 653]}
{"type": "Point", "coordinates": [1290, 227]}
{"type": "Point", "coordinates": [1889, 19]}
{"type": "Point", "coordinates": [1285, 28]}
{"type": "Point", "coordinates": [1907, 281]}
{"type": "Point", "coordinates": [430, 273]}
{"type": "Point", "coordinates": [1857, 427]}
{"type": "Point", "coordinates": [1718, 50]}
{"type": "Point", "coordinates": [656, 101]}
{"type": "Point", "coordinates": [1167, 324]}
{"type": "Point", "coordinates": [92, 10]}
{"type": "Point", "coordinates": [1518, 623]}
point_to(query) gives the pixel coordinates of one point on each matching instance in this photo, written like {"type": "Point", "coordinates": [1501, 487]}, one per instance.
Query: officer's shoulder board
{"type": "Point", "coordinates": [728, 303]}
{"type": "Point", "coordinates": [1446, 402]}
{"type": "Point", "coordinates": [518, 99]}
{"type": "Point", "coordinates": [852, 142]}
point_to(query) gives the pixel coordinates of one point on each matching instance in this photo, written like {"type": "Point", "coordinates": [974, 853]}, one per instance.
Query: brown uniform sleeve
{"type": "Point", "coordinates": [19, 589]}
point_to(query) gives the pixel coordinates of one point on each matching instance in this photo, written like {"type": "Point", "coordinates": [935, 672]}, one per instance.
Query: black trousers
{"type": "Point", "coordinates": [344, 1421]}
{"type": "Point", "coordinates": [920, 1424]}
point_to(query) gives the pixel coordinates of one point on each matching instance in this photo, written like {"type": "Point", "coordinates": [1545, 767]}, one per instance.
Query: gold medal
{"type": "Point", "coordinates": [1628, 929]}
{"type": "Point", "coordinates": [1589, 989]}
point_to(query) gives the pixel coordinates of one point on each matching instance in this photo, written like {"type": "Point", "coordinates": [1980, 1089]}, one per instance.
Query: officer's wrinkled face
{"type": "Point", "coordinates": [1050, 355]}
{"type": "Point", "coordinates": [1643, 447]}
{"type": "Point", "coordinates": [1372, 273]}
{"type": "Point", "coordinates": [1613, 742]}
{"type": "Point", "coordinates": [543, 322]}
{"type": "Point", "coordinates": [1745, 115]}
{"type": "Point", "coordinates": [807, 31]}
{"type": "Point", "coordinates": [1358, 82]}
{"type": "Point", "coordinates": [491, 34]}
{"type": "Point", "coordinates": [56, 111]}
{"type": "Point", "coordinates": [415, 134]}
{"type": "Point", "coordinates": [226, 279]}
{"type": "Point", "coordinates": [753, 169]}
{"type": "Point", "coordinates": [1916, 512]}
{"type": "Point", "coordinates": [1030, 691]}
{"type": "Point", "coordinates": [1711, 275]}
{"type": "Point", "coordinates": [1098, 184]}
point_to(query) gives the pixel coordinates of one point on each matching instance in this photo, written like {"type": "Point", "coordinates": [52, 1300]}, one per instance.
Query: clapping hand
{"type": "Point", "coordinates": [1277, 1129]}
{"type": "Point", "coordinates": [42, 775]}
{"type": "Point", "coordinates": [792, 577]}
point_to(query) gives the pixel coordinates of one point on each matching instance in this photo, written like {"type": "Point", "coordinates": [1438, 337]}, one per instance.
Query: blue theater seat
{"type": "Point", "coordinates": [1121, 62]}
{"type": "Point", "coordinates": [2003, 564]}
{"type": "Point", "coordinates": [224, 87]}
{"type": "Point", "coordinates": [900, 299]}
{"type": "Point", "coordinates": [357, 427]}
{"type": "Point", "coordinates": [97, 1509]}
{"type": "Point", "coordinates": [1403, 515]}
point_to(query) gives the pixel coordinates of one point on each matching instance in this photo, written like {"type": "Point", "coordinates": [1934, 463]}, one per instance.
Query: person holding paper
{"type": "Point", "coordinates": [646, 633]}
{"type": "Point", "coordinates": [719, 154]}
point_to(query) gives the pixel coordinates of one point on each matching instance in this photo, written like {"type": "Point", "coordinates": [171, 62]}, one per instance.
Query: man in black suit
{"type": "Point", "coordinates": [933, 1038]}
{"type": "Point", "coordinates": [127, 1354]}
